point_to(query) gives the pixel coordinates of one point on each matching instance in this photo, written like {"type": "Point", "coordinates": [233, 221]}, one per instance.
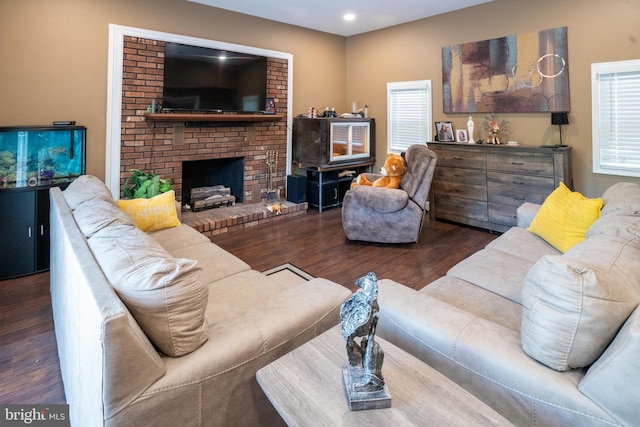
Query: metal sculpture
{"type": "Point", "coordinates": [363, 380]}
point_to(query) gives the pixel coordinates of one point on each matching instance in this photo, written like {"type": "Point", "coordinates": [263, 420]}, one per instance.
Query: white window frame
{"type": "Point", "coordinates": [615, 90]}
{"type": "Point", "coordinates": [416, 112]}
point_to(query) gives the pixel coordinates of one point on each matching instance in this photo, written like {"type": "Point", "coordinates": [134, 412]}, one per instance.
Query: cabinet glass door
{"type": "Point", "coordinates": [349, 140]}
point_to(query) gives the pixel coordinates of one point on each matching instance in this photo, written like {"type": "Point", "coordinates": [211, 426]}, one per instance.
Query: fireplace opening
{"type": "Point", "coordinates": [208, 173]}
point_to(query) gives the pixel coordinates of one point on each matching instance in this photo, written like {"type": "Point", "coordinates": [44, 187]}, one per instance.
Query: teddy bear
{"type": "Point", "coordinates": [392, 171]}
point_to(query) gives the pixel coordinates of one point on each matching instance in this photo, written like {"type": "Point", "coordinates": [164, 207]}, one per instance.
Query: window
{"type": "Point", "coordinates": [616, 117]}
{"type": "Point", "coordinates": [408, 114]}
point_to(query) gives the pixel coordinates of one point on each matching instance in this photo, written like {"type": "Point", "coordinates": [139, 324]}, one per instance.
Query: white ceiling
{"type": "Point", "coordinates": [328, 15]}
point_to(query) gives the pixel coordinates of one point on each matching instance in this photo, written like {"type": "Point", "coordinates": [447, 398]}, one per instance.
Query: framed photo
{"type": "Point", "coordinates": [461, 135]}
{"type": "Point", "coordinates": [270, 106]}
{"type": "Point", "coordinates": [444, 130]}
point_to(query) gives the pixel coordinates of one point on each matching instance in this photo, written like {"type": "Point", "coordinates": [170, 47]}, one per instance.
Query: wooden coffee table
{"type": "Point", "coordinates": [305, 386]}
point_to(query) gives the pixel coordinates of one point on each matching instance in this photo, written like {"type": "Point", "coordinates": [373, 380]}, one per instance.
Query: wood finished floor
{"type": "Point", "coordinates": [29, 367]}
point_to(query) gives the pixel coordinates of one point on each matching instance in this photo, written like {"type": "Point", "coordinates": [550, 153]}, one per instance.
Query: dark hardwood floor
{"type": "Point", "coordinates": [315, 242]}
{"type": "Point", "coordinates": [29, 369]}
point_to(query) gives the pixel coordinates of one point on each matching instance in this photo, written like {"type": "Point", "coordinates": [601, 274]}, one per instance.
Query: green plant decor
{"type": "Point", "coordinates": [144, 185]}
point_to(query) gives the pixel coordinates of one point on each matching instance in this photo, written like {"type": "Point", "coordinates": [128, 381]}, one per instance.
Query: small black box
{"type": "Point", "coordinates": [296, 188]}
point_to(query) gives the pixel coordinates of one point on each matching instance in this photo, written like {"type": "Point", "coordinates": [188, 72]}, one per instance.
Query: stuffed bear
{"type": "Point", "coordinates": [393, 169]}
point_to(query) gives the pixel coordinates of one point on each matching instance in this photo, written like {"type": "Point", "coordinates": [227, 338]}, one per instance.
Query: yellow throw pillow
{"type": "Point", "coordinates": [152, 214]}
{"type": "Point", "coordinates": [564, 218]}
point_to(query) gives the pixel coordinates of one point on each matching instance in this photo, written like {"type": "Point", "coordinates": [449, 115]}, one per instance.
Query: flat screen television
{"type": "Point", "coordinates": [206, 79]}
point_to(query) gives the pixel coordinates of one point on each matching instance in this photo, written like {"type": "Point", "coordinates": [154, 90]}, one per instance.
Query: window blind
{"type": "Point", "coordinates": [408, 114]}
{"type": "Point", "coordinates": [616, 118]}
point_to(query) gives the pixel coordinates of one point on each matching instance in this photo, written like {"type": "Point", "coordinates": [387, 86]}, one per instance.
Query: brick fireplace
{"type": "Point", "coordinates": [162, 147]}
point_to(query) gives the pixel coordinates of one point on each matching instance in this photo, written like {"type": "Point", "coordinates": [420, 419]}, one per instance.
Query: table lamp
{"type": "Point", "coordinates": [560, 119]}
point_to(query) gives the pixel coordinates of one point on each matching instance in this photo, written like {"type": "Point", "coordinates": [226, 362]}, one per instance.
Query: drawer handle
{"type": "Point", "coordinates": [457, 158]}
{"type": "Point", "coordinates": [517, 163]}
{"type": "Point", "coordinates": [517, 183]}
{"type": "Point", "coordinates": [520, 199]}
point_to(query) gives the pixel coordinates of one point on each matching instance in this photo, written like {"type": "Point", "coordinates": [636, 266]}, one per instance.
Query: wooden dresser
{"type": "Point", "coordinates": [483, 185]}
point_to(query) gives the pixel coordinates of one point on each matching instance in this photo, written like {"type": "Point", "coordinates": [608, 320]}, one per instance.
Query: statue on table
{"type": "Point", "coordinates": [363, 376]}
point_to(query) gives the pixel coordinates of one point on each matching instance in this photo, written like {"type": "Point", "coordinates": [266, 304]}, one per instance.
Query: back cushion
{"type": "Point", "coordinates": [623, 226]}
{"type": "Point", "coordinates": [612, 382]}
{"type": "Point", "coordinates": [98, 214]}
{"type": "Point", "coordinates": [85, 187]}
{"type": "Point", "coordinates": [166, 296]}
{"type": "Point", "coordinates": [574, 304]}
{"type": "Point", "coordinates": [622, 198]}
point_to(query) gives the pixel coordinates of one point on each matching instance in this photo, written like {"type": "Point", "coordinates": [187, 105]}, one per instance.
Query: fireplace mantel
{"type": "Point", "coordinates": [211, 117]}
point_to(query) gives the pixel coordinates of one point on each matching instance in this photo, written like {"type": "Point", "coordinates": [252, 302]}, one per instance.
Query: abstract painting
{"type": "Point", "coordinates": [515, 74]}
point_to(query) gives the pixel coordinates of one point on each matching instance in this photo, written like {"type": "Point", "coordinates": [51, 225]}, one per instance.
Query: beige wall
{"type": "Point", "coordinates": [54, 60]}
{"type": "Point", "coordinates": [598, 31]}
{"type": "Point", "coordinates": [53, 57]}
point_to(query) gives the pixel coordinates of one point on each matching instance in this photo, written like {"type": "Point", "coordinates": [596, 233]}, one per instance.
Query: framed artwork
{"type": "Point", "coordinates": [270, 106]}
{"type": "Point", "coordinates": [525, 73]}
{"type": "Point", "coordinates": [461, 135]}
{"type": "Point", "coordinates": [444, 131]}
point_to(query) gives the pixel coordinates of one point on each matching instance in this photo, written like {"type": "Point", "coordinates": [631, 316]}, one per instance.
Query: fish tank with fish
{"type": "Point", "coordinates": [33, 156]}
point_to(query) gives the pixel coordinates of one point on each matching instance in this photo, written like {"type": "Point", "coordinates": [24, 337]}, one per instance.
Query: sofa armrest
{"type": "Point", "coordinates": [525, 214]}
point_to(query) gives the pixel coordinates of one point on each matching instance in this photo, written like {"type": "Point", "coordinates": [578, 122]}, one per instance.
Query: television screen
{"type": "Point", "coordinates": [205, 79]}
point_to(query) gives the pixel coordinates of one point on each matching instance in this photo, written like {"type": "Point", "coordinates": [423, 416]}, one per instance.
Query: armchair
{"type": "Point", "coordinates": [386, 215]}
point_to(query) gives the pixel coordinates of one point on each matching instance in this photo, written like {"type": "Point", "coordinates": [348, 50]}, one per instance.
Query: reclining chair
{"type": "Point", "coordinates": [387, 215]}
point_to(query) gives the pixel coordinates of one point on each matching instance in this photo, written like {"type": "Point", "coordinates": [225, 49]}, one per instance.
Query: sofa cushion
{"type": "Point", "coordinates": [100, 213]}
{"type": "Point", "coordinates": [523, 244]}
{"type": "Point", "coordinates": [167, 296]}
{"type": "Point", "coordinates": [574, 304]}
{"type": "Point", "coordinates": [564, 217]}
{"type": "Point", "coordinates": [622, 198]}
{"type": "Point", "coordinates": [495, 271]}
{"type": "Point", "coordinates": [152, 214]}
{"type": "Point", "coordinates": [85, 187]}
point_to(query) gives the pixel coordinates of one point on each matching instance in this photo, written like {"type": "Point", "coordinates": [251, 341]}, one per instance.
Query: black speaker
{"type": "Point", "coordinates": [296, 188]}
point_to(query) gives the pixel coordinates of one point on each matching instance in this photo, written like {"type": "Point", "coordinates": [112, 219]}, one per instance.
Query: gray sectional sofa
{"type": "Point", "coordinates": [165, 328]}
{"type": "Point", "coordinates": [546, 339]}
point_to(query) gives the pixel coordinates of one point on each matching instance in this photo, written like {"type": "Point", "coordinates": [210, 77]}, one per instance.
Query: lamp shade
{"type": "Point", "coordinates": [559, 118]}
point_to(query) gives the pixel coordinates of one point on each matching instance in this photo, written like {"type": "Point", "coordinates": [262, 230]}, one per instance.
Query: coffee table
{"type": "Point", "coordinates": [305, 387]}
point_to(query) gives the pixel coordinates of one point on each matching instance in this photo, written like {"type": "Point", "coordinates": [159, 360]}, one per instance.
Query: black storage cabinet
{"type": "Point", "coordinates": [32, 160]}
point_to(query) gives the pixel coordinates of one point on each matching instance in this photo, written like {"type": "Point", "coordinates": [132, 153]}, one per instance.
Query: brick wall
{"type": "Point", "coordinates": [161, 147]}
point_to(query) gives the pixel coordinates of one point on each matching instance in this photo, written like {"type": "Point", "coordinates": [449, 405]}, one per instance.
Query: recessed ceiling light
{"type": "Point", "coordinates": [349, 17]}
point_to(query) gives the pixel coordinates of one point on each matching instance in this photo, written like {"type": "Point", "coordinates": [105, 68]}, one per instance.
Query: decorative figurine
{"type": "Point", "coordinates": [495, 128]}
{"type": "Point", "coordinates": [470, 126]}
{"type": "Point", "coordinates": [362, 377]}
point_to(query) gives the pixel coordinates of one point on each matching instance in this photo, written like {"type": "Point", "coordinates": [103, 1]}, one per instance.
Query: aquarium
{"type": "Point", "coordinates": [32, 156]}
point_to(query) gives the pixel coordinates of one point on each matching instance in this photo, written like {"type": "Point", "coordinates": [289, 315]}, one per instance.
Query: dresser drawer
{"type": "Point", "coordinates": [539, 184]}
{"type": "Point", "coordinates": [514, 197]}
{"type": "Point", "coordinates": [503, 214]}
{"type": "Point", "coordinates": [528, 164]}
{"type": "Point", "coordinates": [457, 182]}
{"type": "Point", "coordinates": [460, 158]}
{"type": "Point", "coordinates": [458, 208]}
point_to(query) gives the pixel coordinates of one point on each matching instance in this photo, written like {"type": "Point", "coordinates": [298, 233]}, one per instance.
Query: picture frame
{"type": "Point", "coordinates": [444, 132]}
{"type": "Point", "coordinates": [461, 135]}
{"type": "Point", "coordinates": [270, 106]}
